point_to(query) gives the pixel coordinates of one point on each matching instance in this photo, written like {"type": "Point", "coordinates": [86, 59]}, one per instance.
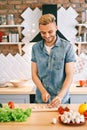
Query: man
{"type": "Point", "coordinates": [52, 64]}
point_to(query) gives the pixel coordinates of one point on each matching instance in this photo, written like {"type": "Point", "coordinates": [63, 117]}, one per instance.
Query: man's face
{"type": "Point", "coordinates": [48, 32]}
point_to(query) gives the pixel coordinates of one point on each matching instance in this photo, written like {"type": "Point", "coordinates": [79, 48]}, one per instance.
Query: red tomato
{"type": "Point", "coordinates": [85, 113]}
{"type": "Point", "coordinates": [66, 109]}
{"type": "Point", "coordinates": [61, 110]}
{"type": "Point", "coordinates": [11, 104]}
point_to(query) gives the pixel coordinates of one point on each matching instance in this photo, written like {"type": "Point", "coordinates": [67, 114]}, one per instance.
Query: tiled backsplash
{"type": "Point", "coordinates": [19, 67]}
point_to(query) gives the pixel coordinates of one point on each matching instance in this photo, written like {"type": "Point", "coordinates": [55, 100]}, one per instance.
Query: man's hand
{"type": "Point", "coordinates": [55, 102]}
{"type": "Point", "coordinates": [45, 96]}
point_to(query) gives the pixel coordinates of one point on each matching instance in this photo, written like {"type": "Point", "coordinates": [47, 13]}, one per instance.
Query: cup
{"type": "Point", "coordinates": [82, 83]}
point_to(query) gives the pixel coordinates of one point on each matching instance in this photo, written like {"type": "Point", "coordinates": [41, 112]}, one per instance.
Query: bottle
{"type": "Point", "coordinates": [86, 17]}
{"type": "Point", "coordinates": [83, 16]}
{"type": "Point", "coordinates": [10, 19]}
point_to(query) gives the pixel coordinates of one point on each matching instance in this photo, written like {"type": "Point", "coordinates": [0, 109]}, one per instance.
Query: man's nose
{"type": "Point", "coordinates": [47, 35]}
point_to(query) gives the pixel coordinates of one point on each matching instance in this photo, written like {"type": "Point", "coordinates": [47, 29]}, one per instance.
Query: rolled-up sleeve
{"type": "Point", "coordinates": [33, 58]}
{"type": "Point", "coordinates": [70, 54]}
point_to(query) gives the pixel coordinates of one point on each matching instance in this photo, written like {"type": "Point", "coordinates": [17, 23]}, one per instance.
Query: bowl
{"type": "Point", "coordinates": [18, 83]}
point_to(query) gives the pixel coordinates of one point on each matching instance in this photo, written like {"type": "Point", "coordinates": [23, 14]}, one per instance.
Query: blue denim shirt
{"type": "Point", "coordinates": [51, 68]}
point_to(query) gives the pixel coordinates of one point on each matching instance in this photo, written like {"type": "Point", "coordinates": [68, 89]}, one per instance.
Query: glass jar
{"type": "Point", "coordinates": [4, 39]}
{"type": "Point", "coordinates": [3, 20]}
{"type": "Point", "coordinates": [10, 19]}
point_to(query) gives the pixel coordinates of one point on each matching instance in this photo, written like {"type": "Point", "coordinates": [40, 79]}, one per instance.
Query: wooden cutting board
{"type": "Point", "coordinates": [41, 107]}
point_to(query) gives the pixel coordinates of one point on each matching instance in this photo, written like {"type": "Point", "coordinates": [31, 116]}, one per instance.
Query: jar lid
{"type": "Point", "coordinates": [4, 36]}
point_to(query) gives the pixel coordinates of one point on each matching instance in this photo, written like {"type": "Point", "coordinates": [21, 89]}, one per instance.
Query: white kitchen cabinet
{"type": "Point", "coordinates": [18, 95]}
{"type": "Point", "coordinates": [78, 98]}
{"type": "Point", "coordinates": [17, 98]}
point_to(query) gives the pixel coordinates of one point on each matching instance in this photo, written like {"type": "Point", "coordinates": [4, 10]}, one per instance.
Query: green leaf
{"type": "Point", "coordinates": [17, 114]}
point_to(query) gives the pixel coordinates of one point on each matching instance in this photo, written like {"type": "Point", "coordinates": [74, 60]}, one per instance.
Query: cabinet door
{"type": "Point", "coordinates": [20, 98]}
{"type": "Point", "coordinates": [78, 98]}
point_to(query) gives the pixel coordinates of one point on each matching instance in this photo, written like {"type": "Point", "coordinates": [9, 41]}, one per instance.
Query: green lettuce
{"type": "Point", "coordinates": [17, 114]}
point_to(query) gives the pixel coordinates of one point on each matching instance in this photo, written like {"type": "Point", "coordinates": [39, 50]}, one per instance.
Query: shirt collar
{"type": "Point", "coordinates": [58, 41]}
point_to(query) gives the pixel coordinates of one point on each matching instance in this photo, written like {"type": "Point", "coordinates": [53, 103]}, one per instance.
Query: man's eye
{"type": "Point", "coordinates": [43, 33]}
{"type": "Point", "coordinates": [50, 31]}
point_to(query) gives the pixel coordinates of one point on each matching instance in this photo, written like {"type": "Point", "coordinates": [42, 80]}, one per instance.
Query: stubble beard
{"type": "Point", "coordinates": [50, 40]}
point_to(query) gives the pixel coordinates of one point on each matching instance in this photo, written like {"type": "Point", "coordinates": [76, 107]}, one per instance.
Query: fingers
{"type": "Point", "coordinates": [45, 97]}
{"type": "Point", "coordinates": [56, 101]}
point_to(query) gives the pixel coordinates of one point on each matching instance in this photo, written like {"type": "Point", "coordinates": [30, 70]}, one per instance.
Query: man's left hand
{"type": "Point", "coordinates": [55, 102]}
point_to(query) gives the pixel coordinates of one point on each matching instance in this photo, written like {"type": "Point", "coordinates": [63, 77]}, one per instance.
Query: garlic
{"type": "Point", "coordinates": [82, 118]}
{"type": "Point", "coordinates": [73, 117]}
{"type": "Point", "coordinates": [77, 120]}
{"type": "Point", "coordinates": [54, 120]}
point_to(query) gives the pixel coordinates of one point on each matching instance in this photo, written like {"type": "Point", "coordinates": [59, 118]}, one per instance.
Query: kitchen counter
{"type": "Point", "coordinates": [22, 94]}
{"type": "Point", "coordinates": [41, 120]}
{"type": "Point", "coordinates": [18, 95]}
{"type": "Point", "coordinates": [17, 90]}
{"type": "Point", "coordinates": [78, 94]}
{"type": "Point", "coordinates": [78, 90]}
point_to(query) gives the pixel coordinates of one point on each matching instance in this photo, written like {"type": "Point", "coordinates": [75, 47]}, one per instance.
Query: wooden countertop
{"type": "Point", "coordinates": [30, 89]}
{"type": "Point", "coordinates": [78, 90]}
{"type": "Point", "coordinates": [41, 120]}
{"type": "Point", "coordinates": [15, 90]}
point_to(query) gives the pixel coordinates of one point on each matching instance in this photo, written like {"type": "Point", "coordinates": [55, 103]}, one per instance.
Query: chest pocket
{"type": "Point", "coordinates": [58, 63]}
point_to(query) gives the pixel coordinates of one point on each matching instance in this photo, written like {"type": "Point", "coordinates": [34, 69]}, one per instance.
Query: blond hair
{"type": "Point", "coordinates": [46, 19]}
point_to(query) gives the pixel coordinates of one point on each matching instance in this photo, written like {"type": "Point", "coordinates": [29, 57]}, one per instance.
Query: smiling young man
{"type": "Point", "coordinates": [52, 64]}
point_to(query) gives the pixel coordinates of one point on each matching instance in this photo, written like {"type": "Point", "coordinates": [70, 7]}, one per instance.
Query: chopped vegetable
{"type": "Point", "coordinates": [17, 114]}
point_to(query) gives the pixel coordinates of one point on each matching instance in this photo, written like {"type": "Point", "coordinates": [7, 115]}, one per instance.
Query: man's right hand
{"type": "Point", "coordinates": [45, 96]}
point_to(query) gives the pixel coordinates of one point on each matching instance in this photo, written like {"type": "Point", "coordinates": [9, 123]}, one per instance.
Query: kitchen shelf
{"type": "Point", "coordinates": [12, 26]}
{"type": "Point", "coordinates": [82, 25]}
{"type": "Point", "coordinates": [13, 43]}
{"type": "Point", "coordinates": [79, 33]}
{"type": "Point", "coordinates": [18, 26]}
{"type": "Point", "coordinates": [79, 46]}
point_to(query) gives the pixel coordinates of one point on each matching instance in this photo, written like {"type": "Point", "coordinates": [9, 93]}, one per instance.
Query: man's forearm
{"type": "Point", "coordinates": [66, 86]}
{"type": "Point", "coordinates": [38, 83]}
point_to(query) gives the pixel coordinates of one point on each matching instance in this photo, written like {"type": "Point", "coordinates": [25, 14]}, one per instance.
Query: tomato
{"type": "Point", "coordinates": [61, 110]}
{"type": "Point", "coordinates": [11, 104]}
{"type": "Point", "coordinates": [85, 113]}
{"type": "Point", "coordinates": [66, 109]}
